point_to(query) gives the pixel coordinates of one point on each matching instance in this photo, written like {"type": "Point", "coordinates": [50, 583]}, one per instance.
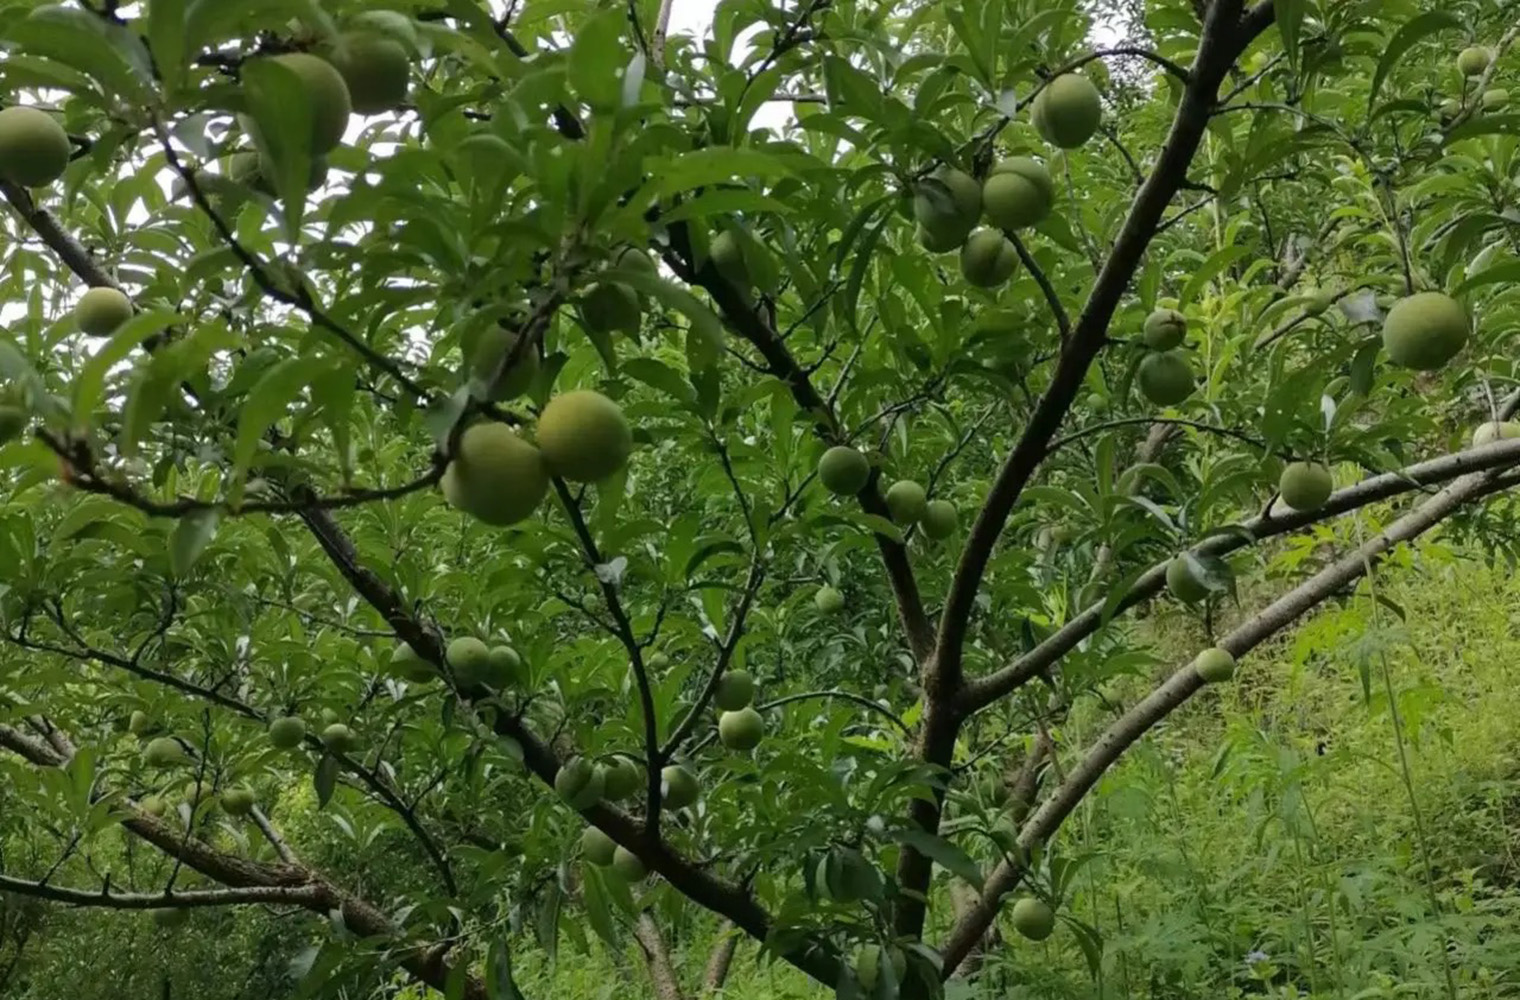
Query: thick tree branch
{"type": "Point", "coordinates": [308, 896]}
{"type": "Point", "coordinates": [667, 985]}
{"type": "Point", "coordinates": [235, 873]}
{"type": "Point", "coordinates": [722, 898]}
{"type": "Point", "coordinates": [1221, 44]}
{"type": "Point", "coordinates": [984, 691]}
{"type": "Point", "coordinates": [720, 959]}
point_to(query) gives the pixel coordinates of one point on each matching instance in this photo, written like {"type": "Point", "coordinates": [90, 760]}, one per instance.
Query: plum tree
{"type": "Point", "coordinates": [609, 307]}
{"type": "Point", "coordinates": [1305, 485]}
{"type": "Point", "coordinates": [504, 667]}
{"type": "Point", "coordinates": [939, 519]}
{"type": "Point", "coordinates": [741, 729]}
{"type": "Point", "coordinates": [1183, 582]}
{"type": "Point", "coordinates": [727, 254]}
{"type": "Point", "coordinates": [238, 801]}
{"type": "Point", "coordinates": [1494, 99]}
{"type": "Point", "coordinates": [376, 70]}
{"type": "Point", "coordinates": [139, 723]}
{"type": "Point", "coordinates": [870, 959]}
{"type": "Point", "coordinates": [250, 167]}
{"type": "Point", "coordinates": [1017, 193]}
{"type": "Point", "coordinates": [224, 516]}
{"type": "Point", "coordinates": [470, 660]}
{"type": "Point", "coordinates": [1067, 111]}
{"type": "Point", "coordinates": [495, 475]}
{"type": "Point", "coordinates": [100, 311]}
{"type": "Point", "coordinates": [1425, 330]}
{"type": "Point", "coordinates": [947, 206]}
{"type": "Point", "coordinates": [493, 365]}
{"type": "Point", "coordinates": [164, 751]}
{"type": "Point", "coordinates": [1474, 60]}
{"type": "Point", "coordinates": [584, 436]}
{"type": "Point", "coordinates": [621, 779]}
{"type": "Point", "coordinates": [627, 865]}
{"type": "Point", "coordinates": [34, 149]}
{"type": "Point", "coordinates": [1495, 430]}
{"type": "Point", "coordinates": [988, 258]}
{"type": "Point", "coordinates": [339, 738]}
{"type": "Point", "coordinates": [409, 664]}
{"type": "Point", "coordinates": [844, 470]}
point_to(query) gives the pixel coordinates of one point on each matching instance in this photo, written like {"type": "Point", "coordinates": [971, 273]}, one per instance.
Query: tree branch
{"type": "Point", "coordinates": [1184, 682]}
{"type": "Point", "coordinates": [235, 873]}
{"type": "Point", "coordinates": [623, 628]}
{"type": "Point", "coordinates": [721, 958]}
{"type": "Point", "coordinates": [667, 985]}
{"type": "Point", "coordinates": [753, 327]}
{"type": "Point", "coordinates": [307, 897]}
{"type": "Point", "coordinates": [1221, 44]}
{"type": "Point", "coordinates": [1063, 322]}
{"type": "Point", "coordinates": [722, 898]}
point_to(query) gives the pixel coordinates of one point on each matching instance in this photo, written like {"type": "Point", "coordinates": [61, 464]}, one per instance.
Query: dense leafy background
{"type": "Point", "coordinates": [1229, 836]}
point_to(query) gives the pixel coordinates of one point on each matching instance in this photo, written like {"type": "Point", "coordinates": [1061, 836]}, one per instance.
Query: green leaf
{"type": "Point", "coordinates": [325, 779]}
{"type": "Point", "coordinates": [724, 201]}
{"type": "Point", "coordinates": [849, 303]}
{"type": "Point", "coordinates": [499, 982]}
{"type": "Point", "coordinates": [166, 36]}
{"type": "Point", "coordinates": [1290, 19]}
{"type": "Point", "coordinates": [281, 111]}
{"type": "Point", "coordinates": [96, 47]}
{"type": "Point", "coordinates": [705, 340]}
{"type": "Point", "coordinates": [191, 536]}
{"type": "Point", "coordinates": [943, 853]}
{"type": "Point", "coordinates": [660, 376]}
{"type": "Point", "coordinates": [267, 402]}
{"type": "Point", "coordinates": [1210, 269]}
{"type": "Point", "coordinates": [1508, 272]}
{"type": "Point", "coordinates": [715, 165]}
{"type": "Point", "coordinates": [597, 909]}
{"type": "Point", "coordinates": [1485, 125]}
{"type": "Point", "coordinates": [89, 386]}
{"type": "Point", "coordinates": [595, 57]}
{"type": "Point", "coordinates": [1405, 39]}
